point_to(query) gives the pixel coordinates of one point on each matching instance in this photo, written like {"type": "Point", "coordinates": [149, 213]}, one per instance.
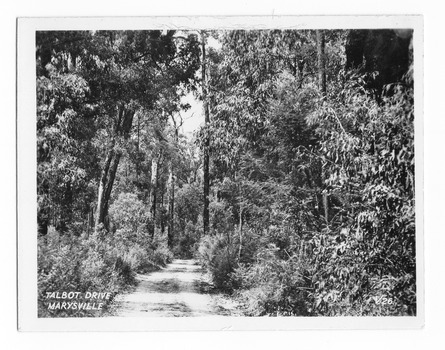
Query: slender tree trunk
{"type": "Point", "coordinates": [90, 225]}
{"type": "Point", "coordinates": [153, 188]}
{"type": "Point", "coordinates": [105, 187]}
{"type": "Point", "coordinates": [109, 187]}
{"type": "Point", "coordinates": [240, 228]}
{"type": "Point", "coordinates": [100, 211]}
{"type": "Point", "coordinates": [137, 149]}
{"type": "Point", "coordinates": [321, 60]}
{"type": "Point", "coordinates": [171, 189]}
{"type": "Point", "coordinates": [170, 204]}
{"type": "Point", "coordinates": [162, 219]}
{"type": "Point", "coordinates": [325, 202]}
{"type": "Point", "coordinates": [207, 140]}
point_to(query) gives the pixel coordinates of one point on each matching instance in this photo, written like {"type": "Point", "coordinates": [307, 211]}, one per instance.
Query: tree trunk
{"type": "Point", "coordinates": [207, 140]}
{"type": "Point", "coordinates": [153, 188]}
{"type": "Point", "coordinates": [240, 231]}
{"type": "Point", "coordinates": [162, 218]}
{"type": "Point", "coordinates": [109, 187]}
{"type": "Point", "coordinates": [123, 123]}
{"type": "Point", "coordinates": [100, 211]}
{"type": "Point", "coordinates": [137, 150]}
{"type": "Point", "coordinates": [90, 225]}
{"type": "Point", "coordinates": [321, 60]}
{"type": "Point", "coordinates": [170, 204]}
{"type": "Point", "coordinates": [171, 189]}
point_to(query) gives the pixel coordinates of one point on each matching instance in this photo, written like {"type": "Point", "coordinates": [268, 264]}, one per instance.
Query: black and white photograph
{"type": "Point", "coordinates": [227, 173]}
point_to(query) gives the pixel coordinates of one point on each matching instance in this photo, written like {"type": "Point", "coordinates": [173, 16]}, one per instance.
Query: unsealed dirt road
{"type": "Point", "coordinates": [177, 290]}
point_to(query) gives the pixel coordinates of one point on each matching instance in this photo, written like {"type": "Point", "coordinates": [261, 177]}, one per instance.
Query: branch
{"type": "Point", "coordinates": [338, 120]}
{"type": "Point", "coordinates": [319, 156]}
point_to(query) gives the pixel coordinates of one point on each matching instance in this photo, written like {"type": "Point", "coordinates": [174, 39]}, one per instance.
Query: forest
{"type": "Point", "coordinates": [295, 194]}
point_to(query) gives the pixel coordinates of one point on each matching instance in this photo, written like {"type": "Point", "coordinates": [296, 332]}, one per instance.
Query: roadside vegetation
{"type": "Point", "coordinates": [296, 194]}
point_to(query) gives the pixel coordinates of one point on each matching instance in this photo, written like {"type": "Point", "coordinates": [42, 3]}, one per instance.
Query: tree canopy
{"type": "Point", "coordinates": [296, 193]}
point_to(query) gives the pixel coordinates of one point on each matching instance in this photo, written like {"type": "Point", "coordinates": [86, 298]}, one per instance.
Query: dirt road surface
{"type": "Point", "coordinates": [178, 290]}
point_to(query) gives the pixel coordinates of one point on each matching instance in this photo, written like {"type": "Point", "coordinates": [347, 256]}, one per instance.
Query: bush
{"type": "Point", "coordinates": [139, 249]}
{"type": "Point", "coordinates": [101, 262]}
{"type": "Point", "coordinates": [139, 260]}
{"type": "Point", "coordinates": [79, 264]}
{"type": "Point", "coordinates": [161, 256]}
{"type": "Point", "coordinates": [127, 211]}
{"type": "Point", "coordinates": [218, 255]}
{"type": "Point", "coordinates": [274, 286]}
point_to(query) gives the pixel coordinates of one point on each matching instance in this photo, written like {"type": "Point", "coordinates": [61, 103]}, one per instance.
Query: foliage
{"type": "Point", "coordinates": [89, 87]}
{"type": "Point", "coordinates": [324, 182]}
{"type": "Point", "coordinates": [312, 207]}
{"type": "Point", "coordinates": [274, 286]}
{"type": "Point", "coordinates": [368, 249]}
{"type": "Point", "coordinates": [219, 256]}
{"type": "Point", "coordinates": [66, 156]}
{"type": "Point", "coordinates": [142, 252]}
{"type": "Point", "coordinates": [185, 246]}
{"type": "Point", "coordinates": [79, 264]}
{"type": "Point", "coordinates": [130, 215]}
{"type": "Point", "coordinates": [102, 262]}
{"type": "Point", "coordinates": [187, 220]}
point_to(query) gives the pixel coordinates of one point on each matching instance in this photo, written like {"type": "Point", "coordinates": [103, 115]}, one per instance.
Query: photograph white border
{"type": "Point", "coordinates": [27, 189]}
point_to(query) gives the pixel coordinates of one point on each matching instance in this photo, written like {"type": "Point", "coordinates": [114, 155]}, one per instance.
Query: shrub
{"type": "Point", "coordinates": [139, 249]}
{"type": "Point", "coordinates": [219, 256]}
{"type": "Point", "coordinates": [79, 264]}
{"type": "Point", "coordinates": [124, 270]}
{"type": "Point", "coordinates": [161, 256]}
{"type": "Point", "coordinates": [127, 211]}
{"type": "Point", "coordinates": [139, 260]}
{"type": "Point", "coordinates": [273, 286]}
